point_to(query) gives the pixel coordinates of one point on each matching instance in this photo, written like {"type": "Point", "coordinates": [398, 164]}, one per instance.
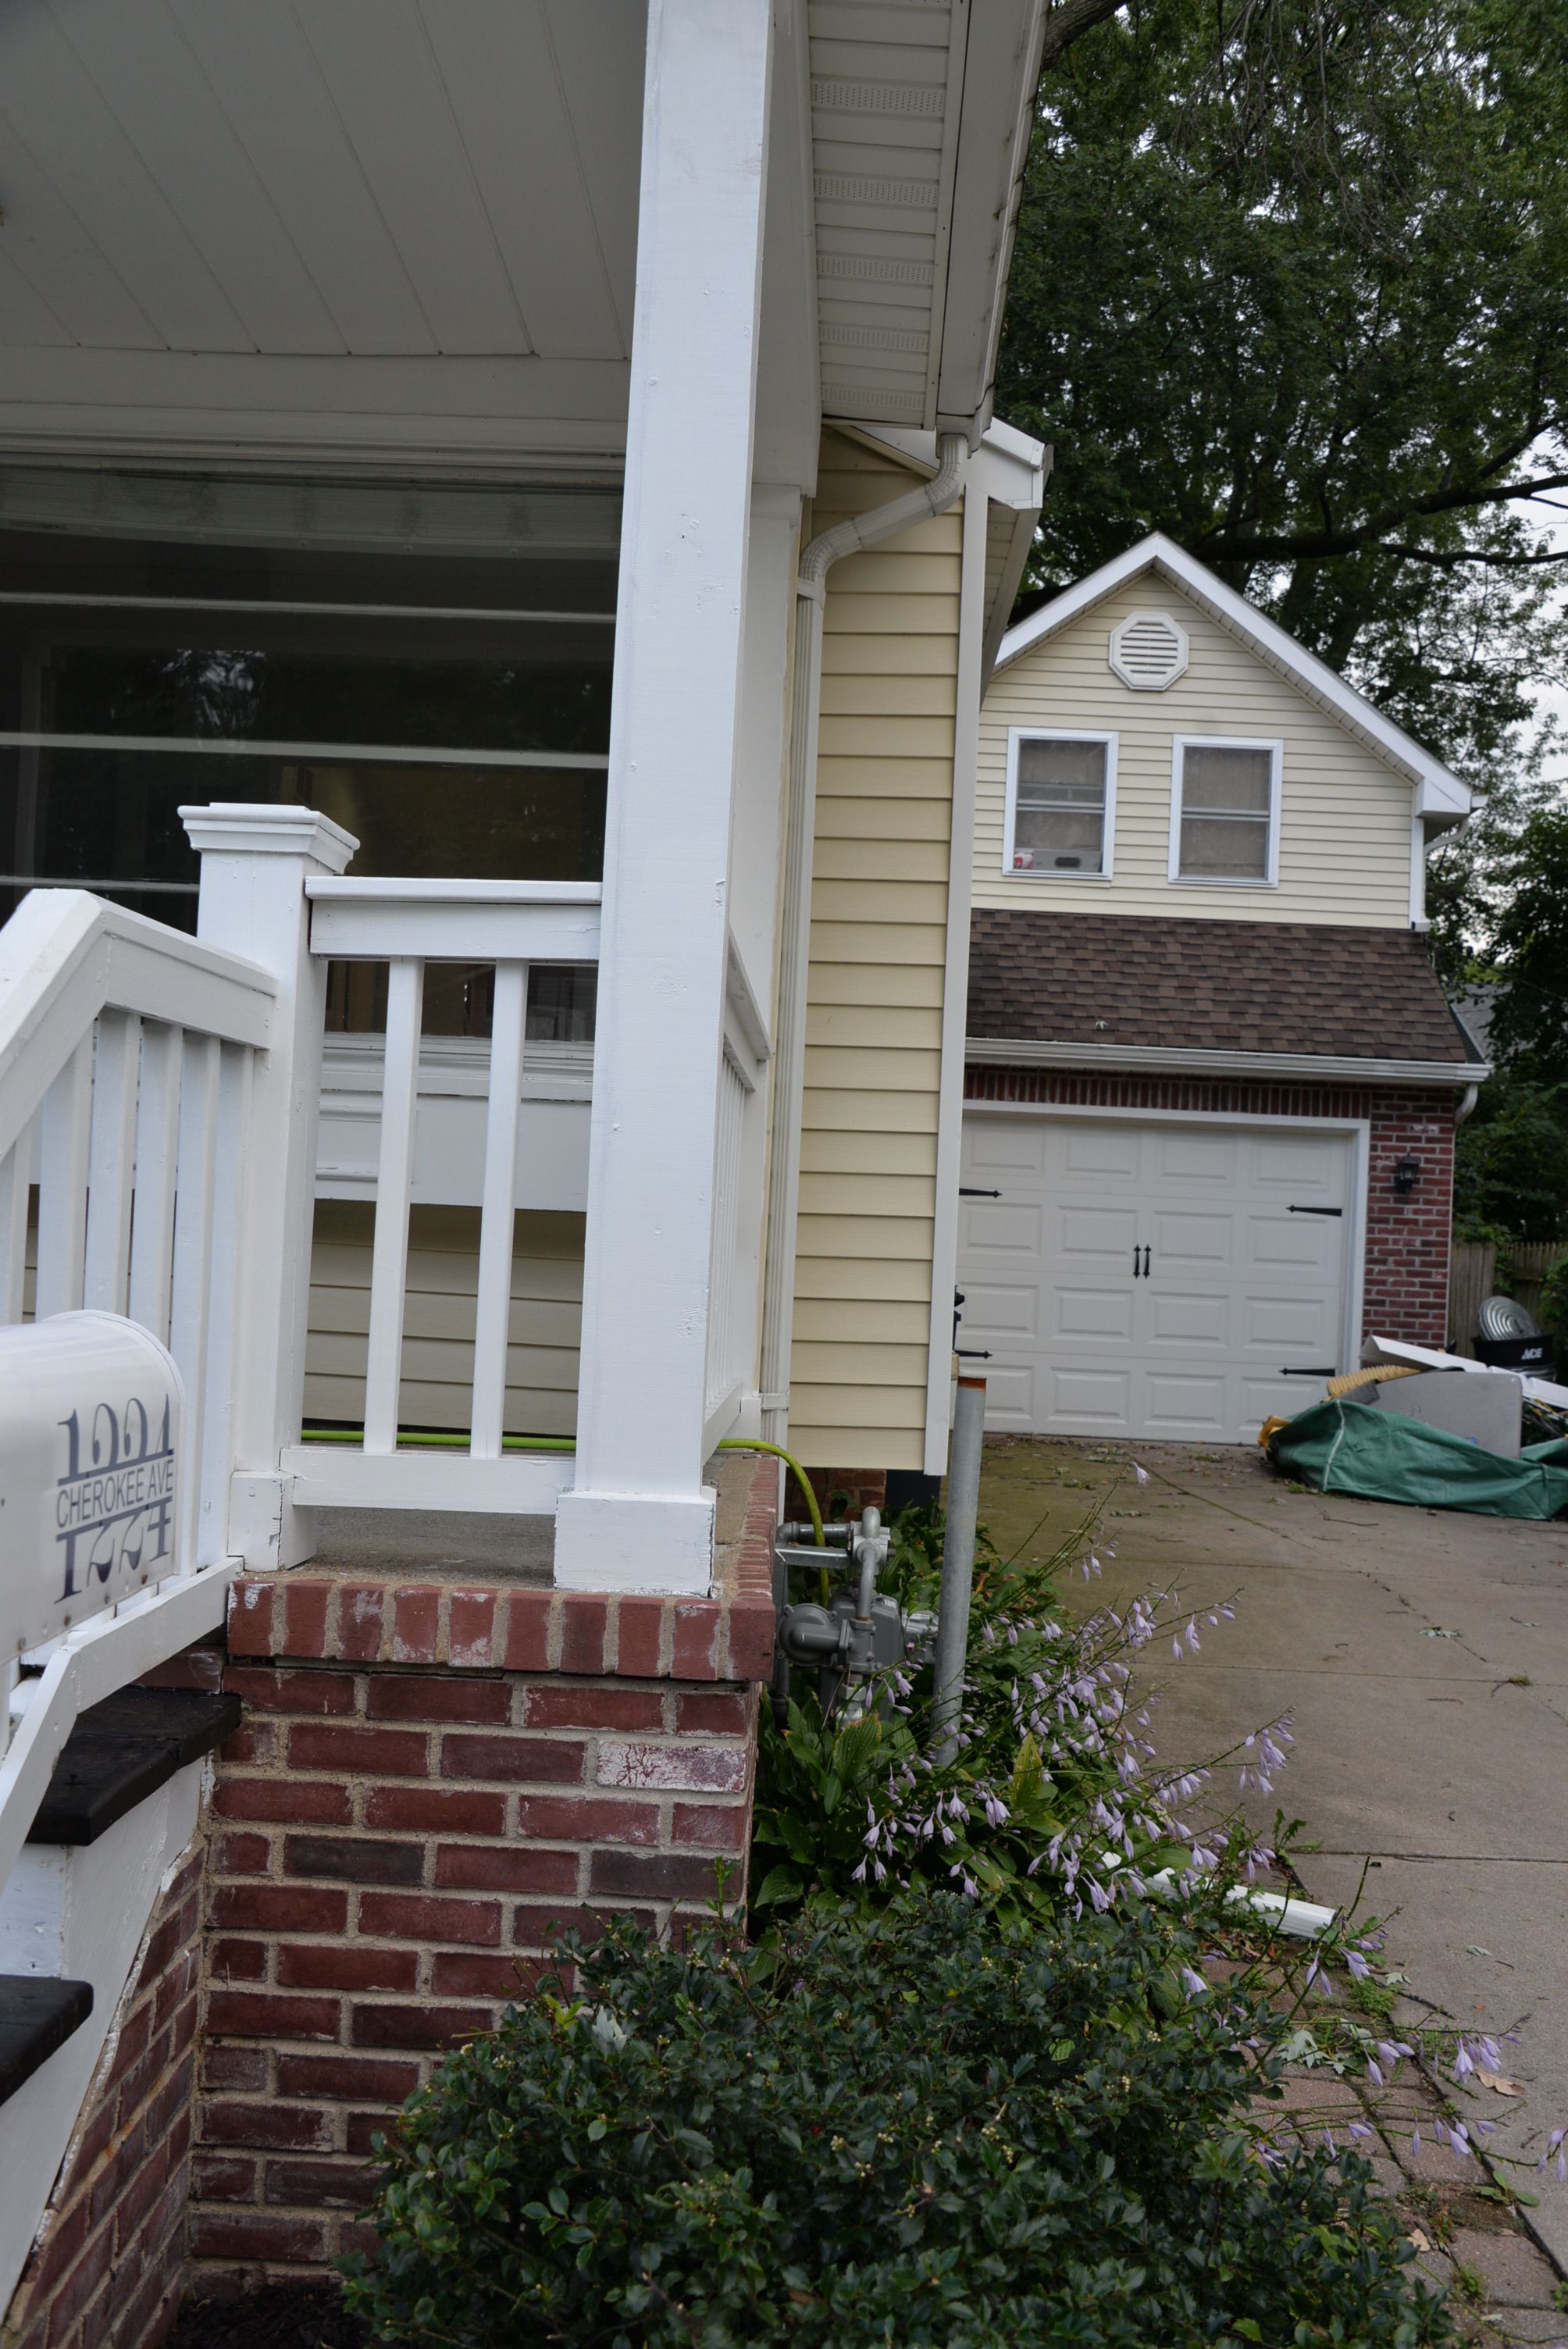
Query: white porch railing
{"type": "Point", "coordinates": [511, 925]}
{"type": "Point", "coordinates": [127, 1058]}
{"type": "Point", "coordinates": [126, 1055]}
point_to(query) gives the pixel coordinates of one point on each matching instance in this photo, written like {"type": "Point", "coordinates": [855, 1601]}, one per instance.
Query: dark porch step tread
{"type": "Point", "coordinates": [122, 1751]}
{"type": "Point", "coordinates": [38, 2015]}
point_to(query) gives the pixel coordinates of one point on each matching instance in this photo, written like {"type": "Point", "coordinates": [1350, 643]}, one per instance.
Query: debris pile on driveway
{"type": "Point", "coordinates": [1432, 1429]}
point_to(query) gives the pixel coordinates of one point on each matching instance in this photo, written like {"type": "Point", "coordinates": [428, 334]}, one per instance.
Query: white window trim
{"type": "Point", "coordinates": [1179, 746]}
{"type": "Point", "coordinates": [1018, 734]}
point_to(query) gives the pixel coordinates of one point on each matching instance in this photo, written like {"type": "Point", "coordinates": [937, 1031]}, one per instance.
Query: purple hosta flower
{"type": "Point", "coordinates": [945, 1832]}
{"type": "Point", "coordinates": [955, 1809]}
{"type": "Point", "coordinates": [1197, 1987]}
{"type": "Point", "coordinates": [1142, 1473]}
{"type": "Point", "coordinates": [857, 1875]}
{"type": "Point", "coordinates": [1192, 1634]}
{"type": "Point", "coordinates": [1101, 1898]}
{"type": "Point", "coordinates": [1176, 1650]}
{"type": "Point", "coordinates": [1317, 1978]}
{"type": "Point", "coordinates": [1083, 1568]}
{"type": "Point", "coordinates": [1094, 1563]}
{"type": "Point", "coordinates": [1463, 2064]}
{"type": "Point", "coordinates": [1374, 2071]}
{"type": "Point", "coordinates": [1359, 2131]}
{"type": "Point", "coordinates": [902, 1687]}
{"type": "Point", "coordinates": [879, 1871]}
{"type": "Point", "coordinates": [1329, 2140]}
{"type": "Point", "coordinates": [1359, 1968]}
{"type": "Point", "coordinates": [1392, 2052]}
{"type": "Point", "coordinates": [1416, 2140]}
{"type": "Point", "coordinates": [987, 1634]}
{"type": "Point", "coordinates": [1012, 1635]}
{"type": "Point", "coordinates": [997, 1812]}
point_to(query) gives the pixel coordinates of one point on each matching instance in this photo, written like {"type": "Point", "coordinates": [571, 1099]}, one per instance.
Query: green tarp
{"type": "Point", "coordinates": [1351, 1447]}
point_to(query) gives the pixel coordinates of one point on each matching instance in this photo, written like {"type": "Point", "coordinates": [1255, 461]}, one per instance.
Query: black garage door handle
{"type": "Point", "coordinates": [1313, 1371]}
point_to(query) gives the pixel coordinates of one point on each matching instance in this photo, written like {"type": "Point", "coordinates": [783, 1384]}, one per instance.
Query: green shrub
{"type": "Point", "coordinates": [1055, 1796]}
{"type": "Point", "coordinates": [914, 2127]}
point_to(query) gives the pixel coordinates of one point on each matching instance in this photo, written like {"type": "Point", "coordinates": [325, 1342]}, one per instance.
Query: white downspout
{"type": "Point", "coordinates": [932, 497]}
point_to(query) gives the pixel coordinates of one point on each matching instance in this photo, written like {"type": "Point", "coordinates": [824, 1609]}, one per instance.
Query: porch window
{"type": "Point", "coordinates": [1224, 820]}
{"type": "Point", "coordinates": [431, 668]}
{"type": "Point", "coordinates": [1060, 801]}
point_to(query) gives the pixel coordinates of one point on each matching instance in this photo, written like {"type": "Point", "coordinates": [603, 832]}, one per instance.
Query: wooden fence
{"type": "Point", "coordinates": [1474, 1273]}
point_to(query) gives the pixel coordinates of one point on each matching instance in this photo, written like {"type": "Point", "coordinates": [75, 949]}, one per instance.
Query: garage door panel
{"type": "Point", "coordinates": [1101, 1150]}
{"type": "Point", "coordinates": [1312, 1248]}
{"type": "Point", "coordinates": [1185, 1154]}
{"type": "Point", "coordinates": [1197, 1319]}
{"type": "Point", "coordinates": [1010, 1398]}
{"type": "Point", "coordinates": [1003, 1310]}
{"type": "Point", "coordinates": [1013, 1231]}
{"type": "Point", "coordinates": [1098, 1314]}
{"type": "Point", "coordinates": [1309, 1166]}
{"type": "Point", "coordinates": [1291, 1323]}
{"type": "Point", "coordinates": [1086, 1401]}
{"type": "Point", "coordinates": [1016, 1146]}
{"type": "Point", "coordinates": [1238, 1288]}
{"type": "Point", "coordinates": [1183, 1241]}
{"type": "Point", "coordinates": [1185, 1407]}
{"type": "Point", "coordinates": [1095, 1231]}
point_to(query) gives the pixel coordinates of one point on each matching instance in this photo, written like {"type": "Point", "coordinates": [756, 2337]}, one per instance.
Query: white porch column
{"type": "Point", "coordinates": [639, 1518]}
{"type": "Point", "coordinates": [255, 860]}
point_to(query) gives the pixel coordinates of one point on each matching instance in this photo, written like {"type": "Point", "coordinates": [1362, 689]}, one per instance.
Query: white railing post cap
{"type": "Point", "coordinates": [262, 828]}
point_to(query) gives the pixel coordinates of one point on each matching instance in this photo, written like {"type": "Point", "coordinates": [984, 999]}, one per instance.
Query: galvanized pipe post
{"type": "Point", "coordinates": [957, 1564]}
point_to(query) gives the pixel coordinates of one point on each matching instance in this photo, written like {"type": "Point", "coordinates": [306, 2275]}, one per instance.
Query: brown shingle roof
{"type": "Point", "coordinates": [1185, 985]}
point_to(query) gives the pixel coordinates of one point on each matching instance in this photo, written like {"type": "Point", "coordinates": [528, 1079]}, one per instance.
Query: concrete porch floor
{"type": "Point", "coordinates": [1424, 1655]}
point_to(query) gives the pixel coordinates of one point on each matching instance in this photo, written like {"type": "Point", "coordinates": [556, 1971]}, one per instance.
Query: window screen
{"type": "Point", "coordinates": [1225, 802]}
{"type": "Point", "coordinates": [1058, 818]}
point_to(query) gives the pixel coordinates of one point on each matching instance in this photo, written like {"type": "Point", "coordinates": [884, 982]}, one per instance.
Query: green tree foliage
{"type": "Point", "coordinates": [1292, 285]}
{"type": "Point", "coordinates": [1528, 947]}
{"type": "Point", "coordinates": [910, 2129]}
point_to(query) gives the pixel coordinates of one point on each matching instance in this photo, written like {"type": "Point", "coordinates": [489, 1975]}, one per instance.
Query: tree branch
{"type": "Point", "coordinates": [1069, 23]}
{"type": "Point", "coordinates": [1321, 545]}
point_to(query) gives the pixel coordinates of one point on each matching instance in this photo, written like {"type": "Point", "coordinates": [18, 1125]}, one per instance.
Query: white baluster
{"type": "Point", "coordinates": [63, 1184]}
{"type": "Point", "coordinates": [15, 1183]}
{"type": "Point", "coordinates": [111, 1158]}
{"type": "Point", "coordinates": [393, 1181]}
{"type": "Point", "coordinates": [227, 1354]}
{"type": "Point", "coordinates": [493, 1312]}
{"type": "Point", "coordinates": [156, 1144]}
{"type": "Point", "coordinates": [190, 1304]}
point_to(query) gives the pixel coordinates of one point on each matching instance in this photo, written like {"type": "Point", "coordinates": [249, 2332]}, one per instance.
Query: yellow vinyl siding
{"type": "Point", "coordinates": [878, 939]}
{"type": "Point", "coordinates": [439, 1329]}
{"type": "Point", "coordinates": [1345, 816]}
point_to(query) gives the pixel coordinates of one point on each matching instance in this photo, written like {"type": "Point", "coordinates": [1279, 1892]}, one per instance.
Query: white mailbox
{"type": "Point", "coordinates": [91, 1409]}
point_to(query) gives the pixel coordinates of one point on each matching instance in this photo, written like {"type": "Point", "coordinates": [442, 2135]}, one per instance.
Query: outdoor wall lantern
{"type": "Point", "coordinates": [1407, 1175]}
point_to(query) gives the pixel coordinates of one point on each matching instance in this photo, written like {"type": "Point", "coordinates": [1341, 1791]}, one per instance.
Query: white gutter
{"type": "Point", "coordinates": [1163, 1061]}
{"type": "Point", "coordinates": [932, 497]}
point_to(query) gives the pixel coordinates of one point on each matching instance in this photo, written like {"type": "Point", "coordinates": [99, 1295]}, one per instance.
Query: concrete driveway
{"type": "Point", "coordinates": [1424, 1656]}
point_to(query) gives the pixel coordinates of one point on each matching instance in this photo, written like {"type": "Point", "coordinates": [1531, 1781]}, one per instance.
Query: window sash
{"type": "Point", "coordinates": [1060, 822]}
{"type": "Point", "coordinates": [1219, 837]}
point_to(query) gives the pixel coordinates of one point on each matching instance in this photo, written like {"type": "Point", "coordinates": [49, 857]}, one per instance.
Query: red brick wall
{"type": "Point", "coordinates": [429, 1779]}
{"type": "Point", "coordinates": [1406, 1279]}
{"type": "Point", "coordinates": [1406, 1268]}
{"type": "Point", "coordinates": [106, 2273]}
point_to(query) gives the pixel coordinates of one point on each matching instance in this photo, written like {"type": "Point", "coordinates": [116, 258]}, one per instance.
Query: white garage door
{"type": "Point", "coordinates": [1156, 1280]}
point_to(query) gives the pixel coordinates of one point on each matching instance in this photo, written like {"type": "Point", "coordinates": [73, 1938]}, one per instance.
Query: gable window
{"type": "Point", "coordinates": [1224, 811]}
{"type": "Point", "coordinates": [1061, 798]}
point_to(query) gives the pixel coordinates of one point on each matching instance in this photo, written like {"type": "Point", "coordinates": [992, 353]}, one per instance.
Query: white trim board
{"type": "Point", "coordinates": [1160, 1061]}
{"type": "Point", "coordinates": [1358, 1130]}
{"type": "Point", "coordinates": [1439, 792]}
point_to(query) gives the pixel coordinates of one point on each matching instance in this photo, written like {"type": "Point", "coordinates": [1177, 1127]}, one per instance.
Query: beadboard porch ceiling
{"type": "Point", "coordinates": [405, 231]}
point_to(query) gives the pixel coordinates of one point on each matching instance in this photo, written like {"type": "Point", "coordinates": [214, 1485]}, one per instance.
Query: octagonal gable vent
{"type": "Point", "coordinates": [1148, 651]}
